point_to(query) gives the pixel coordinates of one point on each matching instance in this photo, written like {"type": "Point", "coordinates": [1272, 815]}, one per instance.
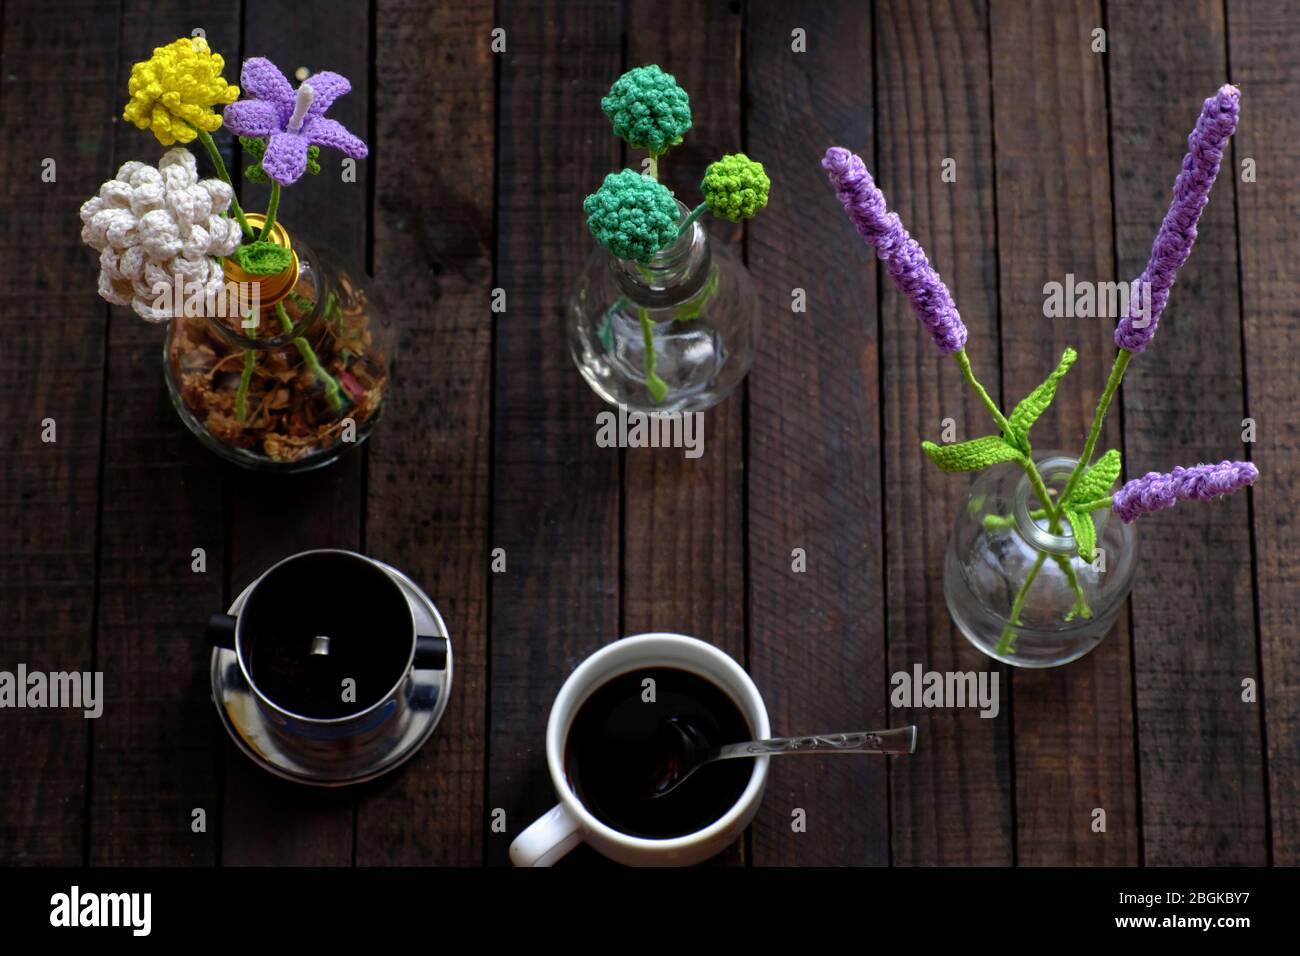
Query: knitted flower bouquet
{"type": "Point", "coordinates": [669, 281]}
{"type": "Point", "coordinates": [1072, 511]}
{"type": "Point", "coordinates": [270, 355]}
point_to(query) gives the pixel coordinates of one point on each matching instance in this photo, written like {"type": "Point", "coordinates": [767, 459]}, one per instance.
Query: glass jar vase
{"type": "Point", "coordinates": [289, 372]}
{"type": "Point", "coordinates": [676, 334]}
{"type": "Point", "coordinates": [1002, 539]}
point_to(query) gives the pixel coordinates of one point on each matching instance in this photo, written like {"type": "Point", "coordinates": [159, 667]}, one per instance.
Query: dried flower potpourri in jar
{"type": "Point", "coordinates": [274, 356]}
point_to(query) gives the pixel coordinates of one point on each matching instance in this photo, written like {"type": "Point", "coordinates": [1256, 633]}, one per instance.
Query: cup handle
{"type": "Point", "coordinates": [546, 839]}
{"type": "Point", "coordinates": [430, 653]}
{"type": "Point", "coordinates": [221, 631]}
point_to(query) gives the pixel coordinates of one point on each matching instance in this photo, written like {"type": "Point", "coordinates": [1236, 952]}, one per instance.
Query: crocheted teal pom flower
{"type": "Point", "coordinates": [632, 215]}
{"type": "Point", "coordinates": [735, 187]}
{"type": "Point", "coordinates": [648, 109]}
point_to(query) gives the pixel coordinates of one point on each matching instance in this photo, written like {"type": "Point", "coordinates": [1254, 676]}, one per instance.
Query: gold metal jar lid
{"type": "Point", "coordinates": [272, 288]}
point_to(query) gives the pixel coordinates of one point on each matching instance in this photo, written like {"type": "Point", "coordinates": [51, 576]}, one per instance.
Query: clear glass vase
{"type": "Point", "coordinates": [296, 380]}
{"type": "Point", "coordinates": [1001, 535]}
{"type": "Point", "coordinates": [693, 307]}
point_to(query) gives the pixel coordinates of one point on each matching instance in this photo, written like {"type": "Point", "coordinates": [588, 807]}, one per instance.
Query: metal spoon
{"type": "Point", "coordinates": [686, 749]}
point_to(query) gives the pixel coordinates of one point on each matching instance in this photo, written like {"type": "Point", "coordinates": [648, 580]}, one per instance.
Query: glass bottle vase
{"type": "Point", "coordinates": [692, 310]}
{"type": "Point", "coordinates": [293, 382]}
{"type": "Point", "coordinates": [1001, 539]}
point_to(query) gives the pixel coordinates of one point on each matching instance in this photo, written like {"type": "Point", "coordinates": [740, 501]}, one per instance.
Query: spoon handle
{"type": "Point", "coordinates": [900, 740]}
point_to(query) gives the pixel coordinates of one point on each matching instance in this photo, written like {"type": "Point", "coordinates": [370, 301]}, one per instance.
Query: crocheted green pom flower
{"type": "Point", "coordinates": [632, 215]}
{"type": "Point", "coordinates": [735, 187]}
{"type": "Point", "coordinates": [648, 109]}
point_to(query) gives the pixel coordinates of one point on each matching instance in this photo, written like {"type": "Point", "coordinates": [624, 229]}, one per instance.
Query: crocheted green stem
{"type": "Point", "coordinates": [1035, 479]}
{"type": "Point", "coordinates": [215, 155]}
{"type": "Point", "coordinates": [1027, 462]}
{"type": "Point", "coordinates": [654, 166]}
{"type": "Point", "coordinates": [1095, 505]}
{"type": "Point", "coordinates": [658, 387]}
{"type": "Point", "coordinates": [309, 356]}
{"type": "Point", "coordinates": [272, 207]}
{"type": "Point", "coordinates": [1054, 527]}
{"type": "Point", "coordinates": [245, 379]}
{"type": "Point", "coordinates": [963, 360]}
{"type": "Point", "coordinates": [1089, 446]}
{"type": "Point", "coordinates": [996, 522]}
{"type": "Point", "coordinates": [696, 213]}
{"type": "Point", "coordinates": [1009, 632]}
{"type": "Point", "coordinates": [606, 331]}
{"type": "Point", "coordinates": [1040, 489]}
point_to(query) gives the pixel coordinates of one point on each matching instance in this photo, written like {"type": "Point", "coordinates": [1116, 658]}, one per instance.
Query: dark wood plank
{"type": "Point", "coordinates": [952, 801]}
{"type": "Point", "coordinates": [555, 494]}
{"type": "Point", "coordinates": [267, 821]}
{"type": "Point", "coordinates": [156, 756]}
{"type": "Point", "coordinates": [57, 92]}
{"type": "Point", "coordinates": [429, 471]}
{"type": "Point", "coordinates": [683, 561]}
{"type": "Point", "coordinates": [1265, 43]}
{"type": "Point", "coordinates": [817, 636]}
{"type": "Point", "coordinates": [1194, 639]}
{"type": "Point", "coordinates": [1072, 726]}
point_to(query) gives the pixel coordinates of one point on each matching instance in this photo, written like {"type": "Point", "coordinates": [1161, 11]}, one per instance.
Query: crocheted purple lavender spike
{"type": "Point", "coordinates": [1154, 491]}
{"type": "Point", "coordinates": [1177, 235]}
{"type": "Point", "coordinates": [293, 120]}
{"type": "Point", "coordinates": [903, 256]}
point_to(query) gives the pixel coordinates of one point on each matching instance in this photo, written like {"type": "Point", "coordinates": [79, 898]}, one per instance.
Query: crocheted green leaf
{"type": "Point", "coordinates": [970, 455]}
{"type": "Point", "coordinates": [1096, 481]}
{"type": "Point", "coordinates": [1036, 402]}
{"type": "Point", "coordinates": [262, 258]}
{"type": "Point", "coordinates": [1085, 533]}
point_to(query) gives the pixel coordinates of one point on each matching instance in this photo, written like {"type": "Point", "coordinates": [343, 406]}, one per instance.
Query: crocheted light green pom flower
{"type": "Point", "coordinates": [632, 215]}
{"type": "Point", "coordinates": [648, 109]}
{"type": "Point", "coordinates": [735, 187]}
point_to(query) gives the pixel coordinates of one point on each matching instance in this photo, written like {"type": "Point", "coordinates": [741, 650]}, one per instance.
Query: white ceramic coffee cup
{"type": "Point", "coordinates": [569, 823]}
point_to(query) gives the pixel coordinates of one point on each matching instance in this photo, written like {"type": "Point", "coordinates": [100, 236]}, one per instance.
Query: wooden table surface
{"type": "Point", "coordinates": [1064, 160]}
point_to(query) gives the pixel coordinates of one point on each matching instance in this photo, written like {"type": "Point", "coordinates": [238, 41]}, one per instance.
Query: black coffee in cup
{"type": "Point", "coordinates": [622, 741]}
{"type": "Point", "coordinates": [319, 620]}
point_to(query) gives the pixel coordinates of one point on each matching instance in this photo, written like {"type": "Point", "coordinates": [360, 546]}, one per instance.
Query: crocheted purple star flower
{"type": "Point", "coordinates": [291, 121]}
{"type": "Point", "coordinates": [1154, 491]}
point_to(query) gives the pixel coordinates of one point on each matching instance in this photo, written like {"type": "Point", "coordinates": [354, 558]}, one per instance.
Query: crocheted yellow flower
{"type": "Point", "coordinates": [175, 89]}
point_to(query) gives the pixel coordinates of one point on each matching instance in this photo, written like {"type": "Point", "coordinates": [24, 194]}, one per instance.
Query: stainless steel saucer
{"type": "Point", "coordinates": [323, 763]}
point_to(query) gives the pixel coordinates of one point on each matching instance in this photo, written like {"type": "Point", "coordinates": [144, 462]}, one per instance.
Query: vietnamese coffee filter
{"type": "Point", "coordinates": [361, 614]}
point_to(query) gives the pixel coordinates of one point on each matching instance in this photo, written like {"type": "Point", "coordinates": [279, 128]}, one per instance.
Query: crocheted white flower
{"type": "Point", "coordinates": [151, 226]}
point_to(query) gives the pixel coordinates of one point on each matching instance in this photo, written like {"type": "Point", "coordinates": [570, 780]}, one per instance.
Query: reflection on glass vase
{"type": "Point", "coordinates": [294, 383]}
{"type": "Point", "coordinates": [676, 334]}
{"type": "Point", "coordinates": [1018, 591]}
